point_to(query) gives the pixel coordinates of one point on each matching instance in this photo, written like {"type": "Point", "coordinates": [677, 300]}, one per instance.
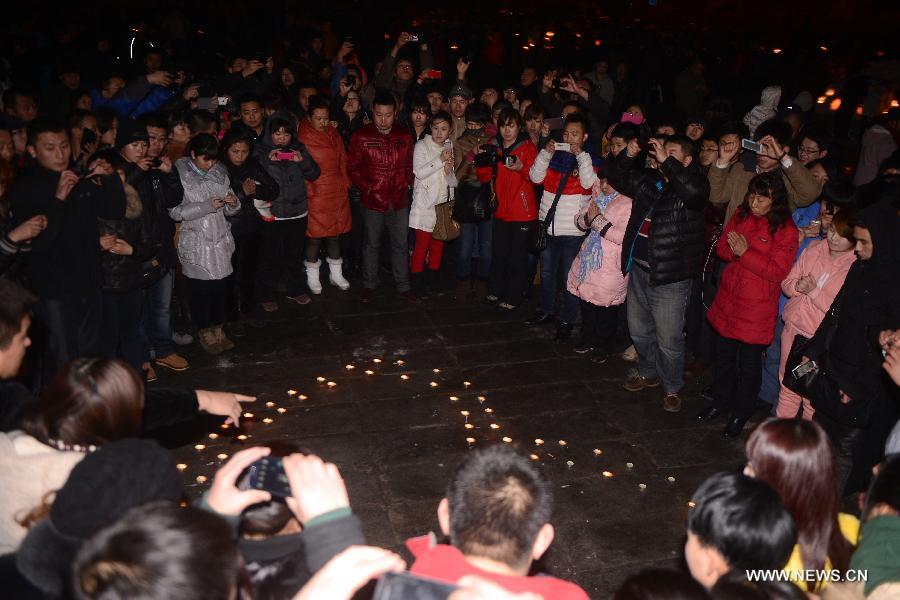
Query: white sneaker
{"type": "Point", "coordinates": [336, 273]}
{"type": "Point", "coordinates": [312, 276]}
{"type": "Point", "coordinates": [182, 339]}
{"type": "Point", "coordinates": [630, 355]}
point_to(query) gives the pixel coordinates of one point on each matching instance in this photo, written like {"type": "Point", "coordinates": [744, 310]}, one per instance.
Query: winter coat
{"type": "Point", "coordinates": [65, 261]}
{"type": "Point", "coordinates": [606, 286]}
{"type": "Point", "coordinates": [677, 238]}
{"type": "Point", "coordinates": [329, 204]}
{"type": "Point", "coordinates": [159, 192]}
{"type": "Point", "coordinates": [430, 186]}
{"type": "Point", "coordinates": [806, 311]}
{"type": "Point", "coordinates": [765, 110]}
{"type": "Point", "coordinates": [746, 304]}
{"type": "Point", "coordinates": [205, 244]}
{"type": "Point", "coordinates": [466, 146]}
{"type": "Point", "coordinates": [548, 170]}
{"type": "Point", "coordinates": [248, 221]}
{"type": "Point", "coordinates": [292, 200]}
{"type": "Point", "coordinates": [380, 166]}
{"type": "Point", "coordinates": [123, 273]}
{"type": "Point", "coordinates": [729, 185]}
{"type": "Point", "coordinates": [516, 200]}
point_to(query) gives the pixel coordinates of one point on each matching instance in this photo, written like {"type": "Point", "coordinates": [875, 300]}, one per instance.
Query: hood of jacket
{"type": "Point", "coordinates": [264, 141]}
{"type": "Point", "coordinates": [881, 220]}
{"type": "Point", "coordinates": [770, 97]}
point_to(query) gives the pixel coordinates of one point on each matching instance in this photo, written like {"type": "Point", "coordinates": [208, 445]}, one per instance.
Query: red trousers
{"type": "Point", "coordinates": [426, 245]}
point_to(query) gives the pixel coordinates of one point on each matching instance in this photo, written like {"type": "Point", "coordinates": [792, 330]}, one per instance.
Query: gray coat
{"type": "Point", "coordinates": [205, 244]}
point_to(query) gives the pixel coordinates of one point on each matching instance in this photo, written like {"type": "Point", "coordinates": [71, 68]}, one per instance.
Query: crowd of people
{"type": "Point", "coordinates": [148, 203]}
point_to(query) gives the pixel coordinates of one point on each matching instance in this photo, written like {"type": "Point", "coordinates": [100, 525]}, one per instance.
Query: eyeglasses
{"type": "Point", "coordinates": [808, 150]}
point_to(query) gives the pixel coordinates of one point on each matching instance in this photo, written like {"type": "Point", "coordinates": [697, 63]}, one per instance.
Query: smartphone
{"type": "Point", "coordinates": [156, 162]}
{"type": "Point", "coordinates": [751, 145]}
{"type": "Point", "coordinates": [206, 103]}
{"type": "Point", "coordinates": [223, 101]}
{"type": "Point", "coordinates": [284, 156]}
{"type": "Point", "coordinates": [802, 369]}
{"type": "Point", "coordinates": [413, 38]}
{"type": "Point", "coordinates": [563, 147]}
{"type": "Point", "coordinates": [404, 585]}
{"type": "Point", "coordinates": [554, 123]}
{"type": "Point", "coordinates": [511, 160]}
{"type": "Point", "coordinates": [268, 474]}
{"type": "Point", "coordinates": [435, 74]}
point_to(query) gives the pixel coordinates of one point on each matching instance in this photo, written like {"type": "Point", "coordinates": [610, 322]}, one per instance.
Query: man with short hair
{"type": "Point", "coordinates": [663, 250]}
{"type": "Point", "coordinates": [460, 97]}
{"type": "Point", "coordinates": [737, 524]}
{"type": "Point", "coordinates": [379, 162]}
{"type": "Point", "coordinates": [305, 91]}
{"type": "Point", "coordinates": [16, 304]}
{"type": "Point", "coordinates": [20, 103]}
{"type": "Point", "coordinates": [497, 514]}
{"type": "Point", "coordinates": [530, 83]}
{"type": "Point", "coordinates": [728, 178]}
{"type": "Point", "coordinates": [603, 83]}
{"type": "Point", "coordinates": [813, 145]}
{"type": "Point", "coordinates": [65, 268]}
{"type": "Point", "coordinates": [253, 115]}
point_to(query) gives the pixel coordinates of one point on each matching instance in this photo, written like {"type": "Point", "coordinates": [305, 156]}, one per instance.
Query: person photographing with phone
{"type": "Point", "coordinates": [567, 174]}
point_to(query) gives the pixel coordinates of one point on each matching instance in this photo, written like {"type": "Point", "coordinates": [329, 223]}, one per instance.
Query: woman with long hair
{"type": "Point", "coordinates": [795, 458]}
{"type": "Point", "coordinates": [758, 244]}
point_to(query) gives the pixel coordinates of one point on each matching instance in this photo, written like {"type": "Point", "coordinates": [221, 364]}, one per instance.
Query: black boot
{"type": "Point", "coordinates": [432, 281]}
{"type": "Point", "coordinates": [417, 282]}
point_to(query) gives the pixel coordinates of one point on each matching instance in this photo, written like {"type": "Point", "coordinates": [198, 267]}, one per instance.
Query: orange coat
{"type": "Point", "coordinates": [329, 204]}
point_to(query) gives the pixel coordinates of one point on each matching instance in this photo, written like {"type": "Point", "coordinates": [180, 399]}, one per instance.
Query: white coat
{"type": "Point", "coordinates": [430, 186]}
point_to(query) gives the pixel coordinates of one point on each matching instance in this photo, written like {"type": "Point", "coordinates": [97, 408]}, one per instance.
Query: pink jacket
{"type": "Point", "coordinates": [607, 285]}
{"type": "Point", "coordinates": [806, 311]}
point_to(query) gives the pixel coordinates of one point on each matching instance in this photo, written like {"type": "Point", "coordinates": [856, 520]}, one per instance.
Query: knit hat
{"type": "Point", "coordinates": [461, 90]}
{"type": "Point", "coordinates": [100, 489]}
{"type": "Point", "coordinates": [130, 131]}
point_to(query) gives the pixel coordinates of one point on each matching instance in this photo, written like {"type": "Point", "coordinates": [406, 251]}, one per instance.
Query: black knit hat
{"type": "Point", "coordinates": [100, 489]}
{"type": "Point", "coordinates": [130, 131]}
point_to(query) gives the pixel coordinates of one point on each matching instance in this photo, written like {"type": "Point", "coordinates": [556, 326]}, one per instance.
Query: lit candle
{"type": "Point", "coordinates": [349, 367]}
{"type": "Point", "coordinates": [533, 456]}
{"type": "Point", "coordinates": [270, 404]}
{"type": "Point", "coordinates": [292, 392]}
{"type": "Point", "coordinates": [691, 504]}
{"type": "Point", "coordinates": [404, 377]}
{"type": "Point", "coordinates": [470, 441]}
{"type": "Point", "coordinates": [199, 447]}
{"type": "Point", "coordinates": [670, 479]}
{"type": "Point", "coordinates": [376, 360]}
{"type": "Point", "coordinates": [570, 463]}
{"type": "Point", "coordinates": [433, 384]}
{"type": "Point", "coordinates": [607, 473]}
{"type": "Point", "coordinates": [629, 465]}
{"type": "Point", "coordinates": [469, 426]}
{"type": "Point", "coordinates": [242, 437]}
{"type": "Point", "coordinates": [643, 486]}
{"type": "Point", "coordinates": [489, 410]}
{"type": "Point", "coordinates": [213, 436]}
{"type": "Point", "coordinates": [563, 443]}
{"type": "Point", "coordinates": [401, 362]}
{"type": "Point", "coordinates": [454, 398]}
{"type": "Point", "coordinates": [181, 466]}
{"type": "Point", "coordinates": [224, 426]}
{"type": "Point", "coordinates": [464, 413]}
{"type": "Point", "coordinates": [370, 372]}
{"type": "Point", "coordinates": [435, 371]}
{"type": "Point", "coordinates": [597, 451]}
{"type": "Point", "coordinates": [481, 399]}
{"type": "Point", "coordinates": [267, 420]}
{"type": "Point", "coordinates": [281, 410]}
{"type": "Point", "coordinates": [507, 439]}
{"type": "Point", "coordinates": [303, 397]}
{"type": "Point", "coordinates": [331, 384]}
{"type": "Point", "coordinates": [320, 379]}
{"type": "Point", "coordinates": [467, 383]}
{"type": "Point", "coordinates": [222, 456]}
{"type": "Point", "coordinates": [494, 426]}
{"type": "Point", "coordinates": [538, 442]}
{"type": "Point", "coordinates": [201, 479]}
{"type": "Point", "coordinates": [248, 415]}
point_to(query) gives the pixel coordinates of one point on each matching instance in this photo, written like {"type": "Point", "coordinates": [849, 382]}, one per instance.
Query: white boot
{"type": "Point", "coordinates": [312, 276]}
{"type": "Point", "coordinates": [336, 274]}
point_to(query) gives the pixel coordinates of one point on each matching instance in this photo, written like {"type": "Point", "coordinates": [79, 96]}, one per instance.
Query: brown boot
{"type": "Point", "coordinates": [223, 339]}
{"type": "Point", "coordinates": [210, 341]}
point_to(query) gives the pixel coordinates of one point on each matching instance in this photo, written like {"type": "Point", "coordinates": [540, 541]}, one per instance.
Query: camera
{"type": "Point", "coordinates": [412, 38]}
{"type": "Point", "coordinates": [486, 158]}
{"type": "Point", "coordinates": [510, 160]}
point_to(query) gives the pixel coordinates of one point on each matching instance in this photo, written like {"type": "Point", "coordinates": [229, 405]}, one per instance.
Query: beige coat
{"type": "Point", "coordinates": [729, 186]}
{"type": "Point", "coordinates": [28, 471]}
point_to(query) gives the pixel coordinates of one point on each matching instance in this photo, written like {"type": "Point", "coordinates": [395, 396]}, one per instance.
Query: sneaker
{"type": "Point", "coordinates": [539, 318]}
{"type": "Point", "coordinates": [149, 373]}
{"type": "Point", "coordinates": [182, 339]}
{"type": "Point", "coordinates": [630, 355]}
{"type": "Point", "coordinates": [301, 299]}
{"type": "Point", "coordinates": [173, 361]}
{"type": "Point", "coordinates": [270, 306]}
{"type": "Point", "coordinates": [672, 402]}
{"type": "Point", "coordinates": [491, 299]}
{"type": "Point", "coordinates": [583, 346]}
{"type": "Point", "coordinates": [636, 383]}
{"type": "Point", "coordinates": [599, 358]}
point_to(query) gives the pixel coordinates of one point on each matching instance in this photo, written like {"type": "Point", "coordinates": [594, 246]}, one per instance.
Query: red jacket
{"type": "Point", "coordinates": [516, 201]}
{"type": "Point", "coordinates": [329, 205]}
{"type": "Point", "coordinates": [746, 304]}
{"type": "Point", "coordinates": [380, 166]}
{"type": "Point", "coordinates": [446, 563]}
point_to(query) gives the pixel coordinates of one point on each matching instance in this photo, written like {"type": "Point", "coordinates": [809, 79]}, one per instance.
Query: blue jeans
{"type": "Point", "coordinates": [656, 323]}
{"type": "Point", "coordinates": [771, 386]}
{"type": "Point", "coordinates": [470, 235]}
{"type": "Point", "coordinates": [156, 323]}
{"type": "Point", "coordinates": [556, 260]}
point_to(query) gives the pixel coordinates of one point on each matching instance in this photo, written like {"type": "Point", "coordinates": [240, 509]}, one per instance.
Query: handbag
{"type": "Point", "coordinates": [446, 228]}
{"type": "Point", "coordinates": [541, 232]}
{"type": "Point", "coordinates": [476, 202]}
